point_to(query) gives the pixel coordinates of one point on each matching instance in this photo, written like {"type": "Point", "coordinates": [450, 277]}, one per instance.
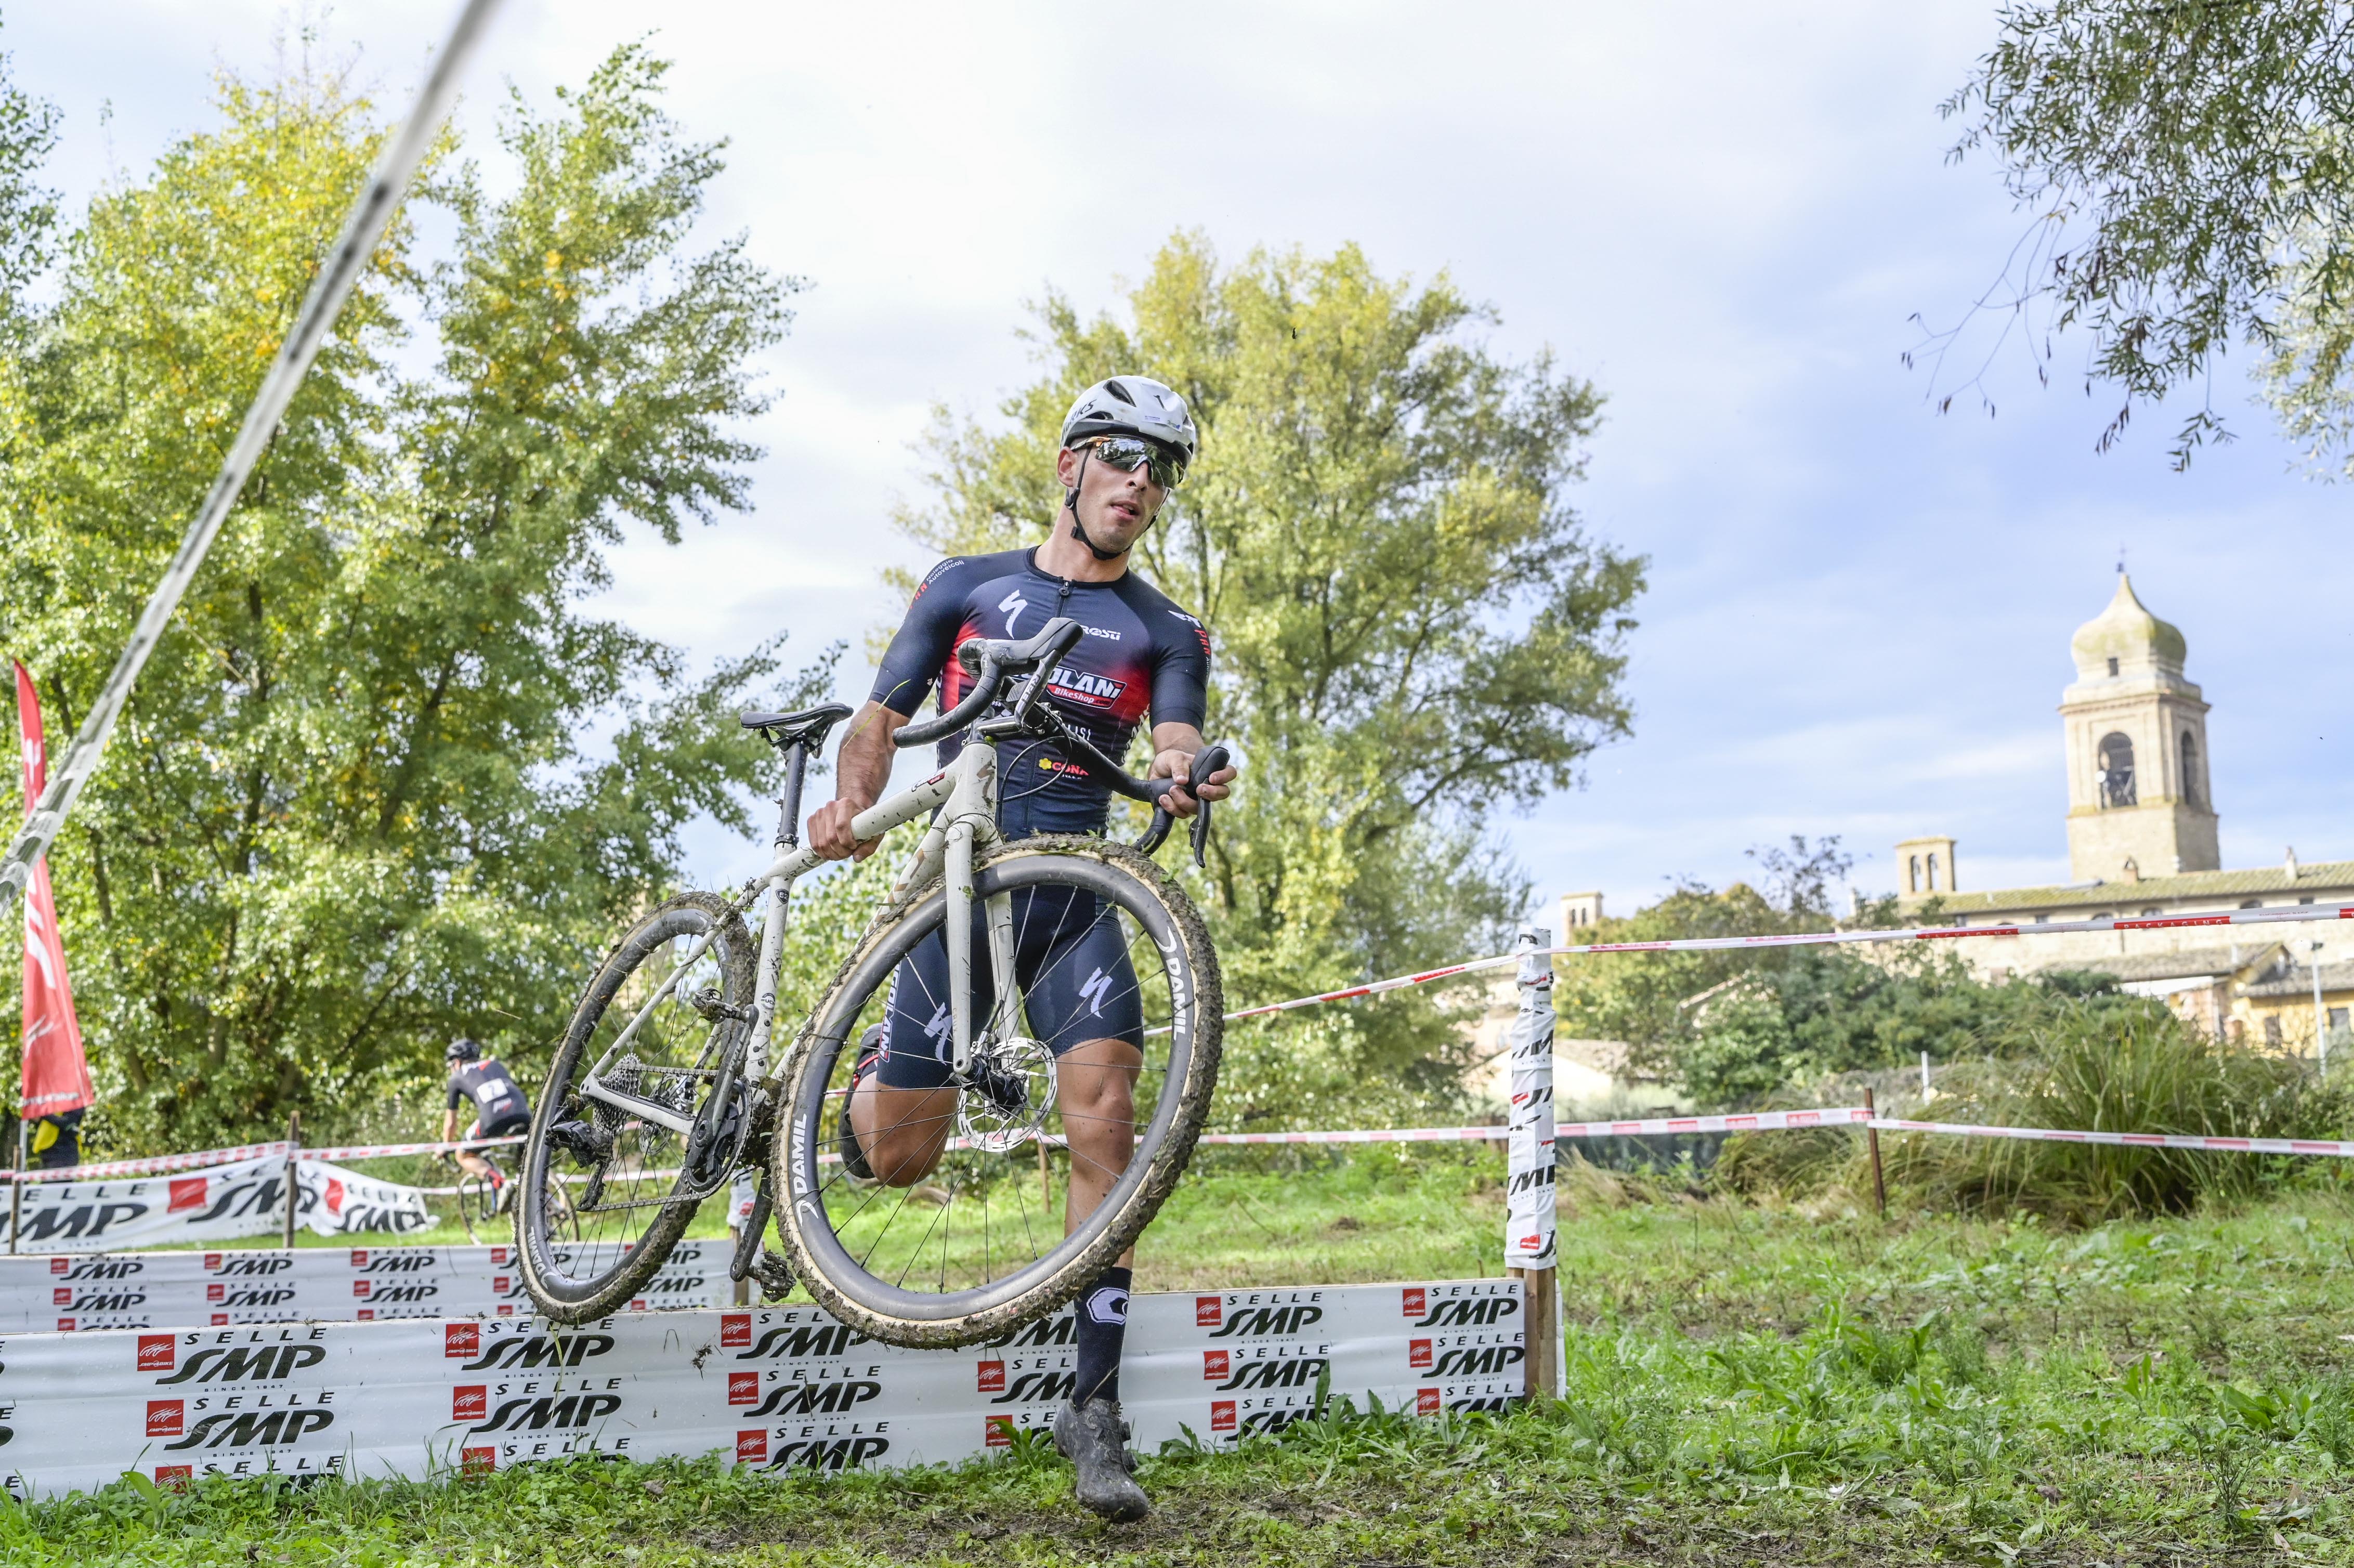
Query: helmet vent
{"type": "Point", "coordinates": [1117, 390]}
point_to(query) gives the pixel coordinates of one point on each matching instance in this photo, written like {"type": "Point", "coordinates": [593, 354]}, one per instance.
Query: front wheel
{"type": "Point", "coordinates": [1109, 950]}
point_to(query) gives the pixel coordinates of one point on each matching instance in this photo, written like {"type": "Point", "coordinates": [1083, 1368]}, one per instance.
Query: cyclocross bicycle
{"type": "Point", "coordinates": [481, 1201]}
{"type": "Point", "coordinates": [664, 1086]}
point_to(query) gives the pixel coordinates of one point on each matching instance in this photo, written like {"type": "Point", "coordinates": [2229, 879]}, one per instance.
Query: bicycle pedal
{"type": "Point", "coordinates": [708, 1002]}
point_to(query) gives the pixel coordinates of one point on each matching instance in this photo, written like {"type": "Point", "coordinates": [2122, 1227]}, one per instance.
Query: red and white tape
{"type": "Point", "coordinates": [2282, 915]}
{"type": "Point", "coordinates": [2324, 1146]}
{"type": "Point", "coordinates": [1649, 1127]}
{"type": "Point", "coordinates": [164, 1164]}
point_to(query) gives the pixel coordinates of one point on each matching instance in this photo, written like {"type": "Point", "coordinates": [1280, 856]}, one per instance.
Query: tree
{"type": "Point", "coordinates": [351, 810]}
{"type": "Point", "coordinates": [1413, 630]}
{"type": "Point", "coordinates": [2200, 149]}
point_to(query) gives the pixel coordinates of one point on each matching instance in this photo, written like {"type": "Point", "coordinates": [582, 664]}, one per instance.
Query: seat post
{"type": "Point", "coordinates": [788, 819]}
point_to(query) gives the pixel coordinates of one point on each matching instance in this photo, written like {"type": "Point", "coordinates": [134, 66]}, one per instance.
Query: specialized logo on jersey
{"type": "Point", "coordinates": [1085, 687]}
{"type": "Point", "coordinates": [1098, 986]}
{"type": "Point", "coordinates": [1013, 604]}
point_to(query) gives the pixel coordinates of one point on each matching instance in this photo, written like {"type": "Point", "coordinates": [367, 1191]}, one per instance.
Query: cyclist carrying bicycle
{"type": "Point", "coordinates": [501, 1107]}
{"type": "Point", "coordinates": [1126, 444]}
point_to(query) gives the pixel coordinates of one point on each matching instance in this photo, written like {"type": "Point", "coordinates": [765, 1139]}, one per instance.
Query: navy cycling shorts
{"type": "Point", "coordinates": [1069, 958]}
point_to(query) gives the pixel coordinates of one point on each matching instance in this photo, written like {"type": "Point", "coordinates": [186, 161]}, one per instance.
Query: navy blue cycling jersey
{"type": "Point", "coordinates": [1141, 654]}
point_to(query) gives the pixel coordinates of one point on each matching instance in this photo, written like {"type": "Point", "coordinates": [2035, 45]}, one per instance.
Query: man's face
{"type": "Point", "coordinates": [1115, 508]}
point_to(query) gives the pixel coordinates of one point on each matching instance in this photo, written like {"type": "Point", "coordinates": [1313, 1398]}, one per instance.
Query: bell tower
{"type": "Point", "coordinates": [2138, 804]}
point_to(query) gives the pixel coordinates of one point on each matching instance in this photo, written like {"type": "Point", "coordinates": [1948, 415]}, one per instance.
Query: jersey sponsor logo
{"type": "Point", "coordinates": [1105, 632]}
{"type": "Point", "coordinates": [1013, 604]}
{"type": "Point", "coordinates": [1098, 986]}
{"type": "Point", "coordinates": [1085, 687]}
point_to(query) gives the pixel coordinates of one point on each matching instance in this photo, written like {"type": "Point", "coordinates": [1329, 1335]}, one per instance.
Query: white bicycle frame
{"type": "Point", "coordinates": [966, 793]}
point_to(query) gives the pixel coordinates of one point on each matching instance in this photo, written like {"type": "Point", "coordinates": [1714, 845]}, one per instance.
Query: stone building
{"type": "Point", "coordinates": [2142, 843]}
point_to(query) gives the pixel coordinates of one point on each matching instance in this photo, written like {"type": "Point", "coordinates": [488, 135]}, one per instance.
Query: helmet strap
{"type": "Point", "coordinates": [1071, 504]}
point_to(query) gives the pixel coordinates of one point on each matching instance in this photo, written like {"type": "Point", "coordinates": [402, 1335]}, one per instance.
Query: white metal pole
{"type": "Point", "coordinates": [2320, 1018]}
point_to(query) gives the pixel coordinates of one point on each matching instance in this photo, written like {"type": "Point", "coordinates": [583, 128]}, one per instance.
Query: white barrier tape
{"type": "Point", "coordinates": [2294, 913]}
{"type": "Point", "coordinates": [1652, 1126]}
{"type": "Point", "coordinates": [163, 1164]}
{"type": "Point", "coordinates": [2343, 1150]}
{"type": "Point", "coordinates": [384, 1151]}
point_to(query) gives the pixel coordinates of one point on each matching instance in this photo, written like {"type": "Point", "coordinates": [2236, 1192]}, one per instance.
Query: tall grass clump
{"type": "Point", "coordinates": [2076, 1065]}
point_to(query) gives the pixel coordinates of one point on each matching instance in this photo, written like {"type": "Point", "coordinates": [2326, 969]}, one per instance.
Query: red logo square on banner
{"type": "Point", "coordinates": [155, 1352]}
{"type": "Point", "coordinates": [188, 1193]}
{"type": "Point", "coordinates": [217, 1291]}
{"type": "Point", "coordinates": [360, 1287]}
{"type": "Point", "coordinates": [1208, 1311]}
{"type": "Point", "coordinates": [506, 1308]}
{"type": "Point", "coordinates": [167, 1418]}
{"type": "Point", "coordinates": [1414, 1301]}
{"type": "Point", "coordinates": [997, 1431]}
{"type": "Point", "coordinates": [993, 1377]}
{"type": "Point", "coordinates": [461, 1342]}
{"type": "Point", "coordinates": [175, 1477]}
{"type": "Point", "coordinates": [359, 1257]}
{"type": "Point", "coordinates": [470, 1402]}
{"type": "Point", "coordinates": [219, 1319]}
{"type": "Point", "coordinates": [498, 1257]}
{"type": "Point", "coordinates": [1417, 1353]}
{"type": "Point", "coordinates": [735, 1330]}
{"type": "Point", "coordinates": [1214, 1365]}
{"type": "Point", "coordinates": [212, 1261]}
{"type": "Point", "coordinates": [57, 1266]}
{"type": "Point", "coordinates": [501, 1283]}
{"type": "Point", "coordinates": [638, 1304]}
{"type": "Point", "coordinates": [752, 1447]}
{"type": "Point", "coordinates": [1222, 1415]}
{"type": "Point", "coordinates": [1425, 1402]}
{"type": "Point", "coordinates": [61, 1296]}
{"type": "Point", "coordinates": [65, 1326]}
{"type": "Point", "coordinates": [365, 1314]}
{"type": "Point", "coordinates": [477, 1461]}
{"type": "Point", "coordinates": [744, 1388]}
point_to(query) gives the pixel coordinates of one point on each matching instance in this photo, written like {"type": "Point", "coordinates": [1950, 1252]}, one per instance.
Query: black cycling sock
{"type": "Point", "coordinates": [1102, 1330]}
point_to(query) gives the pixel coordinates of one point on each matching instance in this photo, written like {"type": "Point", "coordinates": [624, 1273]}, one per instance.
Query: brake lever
{"type": "Point", "coordinates": [1206, 762]}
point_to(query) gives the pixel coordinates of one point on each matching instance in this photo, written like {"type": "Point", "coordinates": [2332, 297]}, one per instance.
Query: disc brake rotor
{"type": "Point", "coordinates": [1012, 1093]}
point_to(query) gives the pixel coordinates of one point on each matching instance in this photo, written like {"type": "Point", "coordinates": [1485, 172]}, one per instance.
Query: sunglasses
{"type": "Point", "coordinates": [1128, 453]}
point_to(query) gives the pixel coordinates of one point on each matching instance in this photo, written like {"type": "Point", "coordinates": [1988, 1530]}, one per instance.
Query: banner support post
{"type": "Point", "coordinates": [1872, 1142]}
{"type": "Point", "coordinates": [16, 1186]}
{"type": "Point", "coordinates": [1531, 1242]}
{"type": "Point", "coordinates": [293, 1186]}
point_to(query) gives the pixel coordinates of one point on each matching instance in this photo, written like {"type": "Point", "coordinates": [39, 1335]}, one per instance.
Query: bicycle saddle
{"type": "Point", "coordinates": [805, 727]}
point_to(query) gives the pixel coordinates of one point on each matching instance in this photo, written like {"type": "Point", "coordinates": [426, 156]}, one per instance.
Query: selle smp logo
{"type": "Point", "coordinates": [816, 1454]}
{"type": "Point", "coordinates": [1063, 1329]}
{"type": "Point", "coordinates": [369, 1262]}
{"type": "Point", "coordinates": [523, 1351]}
{"type": "Point", "coordinates": [559, 1412]}
{"type": "Point", "coordinates": [1260, 1314]}
{"type": "Point", "coordinates": [235, 1429]}
{"type": "Point", "coordinates": [1027, 1386]}
{"type": "Point", "coordinates": [242, 1363]}
{"type": "Point", "coordinates": [832, 1398]}
{"type": "Point", "coordinates": [803, 1341]}
{"type": "Point", "coordinates": [81, 1303]}
{"type": "Point", "coordinates": [96, 1268]}
{"type": "Point", "coordinates": [246, 1264]}
{"type": "Point", "coordinates": [1291, 1371]}
{"type": "Point", "coordinates": [248, 1295]}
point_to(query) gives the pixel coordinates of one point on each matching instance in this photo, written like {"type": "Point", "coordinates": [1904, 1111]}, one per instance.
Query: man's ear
{"type": "Point", "coordinates": [1066, 466]}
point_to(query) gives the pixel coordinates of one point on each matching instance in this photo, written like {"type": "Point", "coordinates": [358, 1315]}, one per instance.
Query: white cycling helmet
{"type": "Point", "coordinates": [1132, 406]}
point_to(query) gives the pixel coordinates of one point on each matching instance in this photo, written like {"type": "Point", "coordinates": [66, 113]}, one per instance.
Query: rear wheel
{"type": "Point", "coordinates": [977, 1246]}
{"type": "Point", "coordinates": [607, 1192]}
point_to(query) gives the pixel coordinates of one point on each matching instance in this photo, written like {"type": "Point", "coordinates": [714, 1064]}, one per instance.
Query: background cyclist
{"type": "Point", "coordinates": [500, 1107]}
{"type": "Point", "coordinates": [1126, 444]}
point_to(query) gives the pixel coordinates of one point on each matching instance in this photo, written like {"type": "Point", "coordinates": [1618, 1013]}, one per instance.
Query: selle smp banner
{"type": "Point", "coordinates": [78, 1293]}
{"type": "Point", "coordinates": [785, 1390]}
{"type": "Point", "coordinates": [221, 1202]}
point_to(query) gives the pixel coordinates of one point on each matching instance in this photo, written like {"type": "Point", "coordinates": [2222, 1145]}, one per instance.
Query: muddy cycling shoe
{"type": "Point", "coordinates": [1094, 1439]}
{"type": "Point", "coordinates": [845, 1138]}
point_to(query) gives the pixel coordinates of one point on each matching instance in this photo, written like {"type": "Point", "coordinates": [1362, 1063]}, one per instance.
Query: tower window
{"type": "Point", "coordinates": [2189, 769]}
{"type": "Point", "coordinates": [1912, 884]}
{"type": "Point", "coordinates": [1933, 873]}
{"type": "Point", "coordinates": [2116, 760]}
{"type": "Point", "coordinates": [2113, 663]}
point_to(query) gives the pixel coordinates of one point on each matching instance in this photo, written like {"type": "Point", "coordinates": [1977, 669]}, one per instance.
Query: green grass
{"type": "Point", "coordinates": [1747, 1383]}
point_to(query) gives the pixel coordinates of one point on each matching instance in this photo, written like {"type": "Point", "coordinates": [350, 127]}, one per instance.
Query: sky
{"type": "Point", "coordinates": [1735, 219]}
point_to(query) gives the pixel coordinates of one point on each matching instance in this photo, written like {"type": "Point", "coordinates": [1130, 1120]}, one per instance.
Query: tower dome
{"type": "Point", "coordinates": [2126, 639]}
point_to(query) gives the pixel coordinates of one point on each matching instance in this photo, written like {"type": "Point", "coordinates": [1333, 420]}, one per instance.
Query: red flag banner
{"type": "Point", "coordinates": [57, 1073]}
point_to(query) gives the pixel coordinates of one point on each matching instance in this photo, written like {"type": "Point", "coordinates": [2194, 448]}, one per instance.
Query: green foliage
{"type": "Point", "coordinates": [2202, 146]}
{"type": "Point", "coordinates": [1412, 629]}
{"type": "Point", "coordinates": [353, 807]}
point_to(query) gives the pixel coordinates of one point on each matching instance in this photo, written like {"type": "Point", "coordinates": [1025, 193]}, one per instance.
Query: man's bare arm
{"type": "Point", "coordinates": [862, 771]}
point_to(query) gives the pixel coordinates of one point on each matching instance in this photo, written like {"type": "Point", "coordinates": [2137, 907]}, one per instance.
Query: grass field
{"type": "Point", "coordinates": [1748, 1384]}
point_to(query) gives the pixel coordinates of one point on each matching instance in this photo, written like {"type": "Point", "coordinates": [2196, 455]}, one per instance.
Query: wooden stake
{"type": "Point", "coordinates": [1872, 1141]}
{"type": "Point", "coordinates": [16, 1189]}
{"type": "Point", "coordinates": [1541, 1317]}
{"type": "Point", "coordinates": [293, 1152]}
